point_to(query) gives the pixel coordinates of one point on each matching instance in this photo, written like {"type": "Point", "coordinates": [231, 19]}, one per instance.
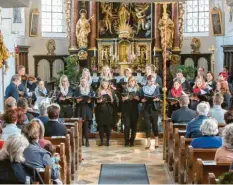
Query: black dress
{"type": "Point", "coordinates": [130, 114]}
{"type": "Point", "coordinates": [67, 104]}
{"type": "Point", "coordinates": [84, 109]}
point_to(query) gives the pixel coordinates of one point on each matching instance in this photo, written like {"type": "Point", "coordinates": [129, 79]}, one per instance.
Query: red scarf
{"type": "Point", "coordinates": [196, 90]}
{"type": "Point", "coordinates": [176, 93]}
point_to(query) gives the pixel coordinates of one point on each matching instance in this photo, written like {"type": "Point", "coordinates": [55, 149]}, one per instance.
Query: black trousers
{"type": "Point", "coordinates": [151, 119]}
{"type": "Point", "coordinates": [130, 122]}
{"type": "Point", "coordinates": [66, 111]}
{"type": "Point", "coordinates": [104, 129]}
{"type": "Point", "coordinates": [86, 129]}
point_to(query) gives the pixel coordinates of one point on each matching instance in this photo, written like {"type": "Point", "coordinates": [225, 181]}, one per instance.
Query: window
{"type": "Point", "coordinates": [196, 16]}
{"type": "Point", "coordinates": [53, 18]}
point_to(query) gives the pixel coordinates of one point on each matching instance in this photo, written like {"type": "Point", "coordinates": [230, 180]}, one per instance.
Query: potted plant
{"type": "Point", "coordinates": [188, 71]}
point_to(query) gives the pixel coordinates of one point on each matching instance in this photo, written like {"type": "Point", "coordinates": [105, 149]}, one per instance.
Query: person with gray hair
{"type": "Point", "coordinates": [43, 106]}
{"type": "Point", "coordinates": [184, 114]}
{"type": "Point", "coordinates": [225, 153]}
{"type": "Point", "coordinates": [193, 127]}
{"type": "Point", "coordinates": [10, 103]}
{"type": "Point", "coordinates": [216, 111]}
{"type": "Point", "coordinates": [209, 139]}
{"type": "Point", "coordinates": [12, 166]}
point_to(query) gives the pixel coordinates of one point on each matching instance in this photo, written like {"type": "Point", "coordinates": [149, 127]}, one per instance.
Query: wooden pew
{"type": "Point", "coordinates": [71, 131]}
{"type": "Point", "coordinates": [192, 155]}
{"type": "Point", "coordinates": [60, 149]}
{"type": "Point", "coordinates": [212, 179]}
{"type": "Point", "coordinates": [205, 167]}
{"type": "Point", "coordinates": [57, 141]}
{"type": "Point", "coordinates": [184, 143]}
{"type": "Point", "coordinates": [171, 142]}
{"type": "Point", "coordinates": [167, 125]}
{"type": "Point", "coordinates": [178, 133]}
{"type": "Point", "coordinates": [77, 123]}
{"type": "Point", "coordinates": [45, 174]}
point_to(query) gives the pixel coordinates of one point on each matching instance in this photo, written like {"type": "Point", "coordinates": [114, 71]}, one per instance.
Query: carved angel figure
{"type": "Point", "coordinates": [82, 29]}
{"type": "Point", "coordinates": [141, 16]}
{"type": "Point", "coordinates": [107, 11]}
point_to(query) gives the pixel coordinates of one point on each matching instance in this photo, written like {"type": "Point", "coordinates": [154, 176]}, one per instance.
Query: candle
{"type": "Point", "coordinates": [110, 51]}
{"type": "Point", "coordinates": [138, 51]}
{"type": "Point", "coordinates": [94, 51]}
{"type": "Point", "coordinates": [102, 54]}
{"type": "Point", "coordinates": [154, 51]}
{"type": "Point", "coordinates": [146, 55]}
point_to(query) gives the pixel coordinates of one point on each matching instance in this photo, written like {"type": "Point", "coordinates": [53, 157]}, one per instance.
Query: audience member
{"type": "Point", "coordinates": [184, 83]}
{"type": "Point", "coordinates": [216, 111]}
{"type": "Point", "coordinates": [10, 118]}
{"type": "Point", "coordinates": [21, 120]}
{"type": "Point", "coordinates": [36, 156]}
{"type": "Point", "coordinates": [225, 153]}
{"type": "Point", "coordinates": [10, 103]}
{"type": "Point", "coordinates": [228, 117]}
{"type": "Point", "coordinates": [222, 87]}
{"type": "Point", "coordinates": [43, 112]}
{"type": "Point", "coordinates": [12, 167]}
{"type": "Point", "coordinates": [23, 103]}
{"type": "Point", "coordinates": [184, 114]}
{"type": "Point", "coordinates": [211, 83]}
{"type": "Point", "coordinates": [209, 139]}
{"type": "Point", "coordinates": [193, 127]}
{"type": "Point", "coordinates": [53, 126]}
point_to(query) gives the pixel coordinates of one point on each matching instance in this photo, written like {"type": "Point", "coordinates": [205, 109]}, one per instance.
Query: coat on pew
{"type": "Point", "coordinates": [207, 142]}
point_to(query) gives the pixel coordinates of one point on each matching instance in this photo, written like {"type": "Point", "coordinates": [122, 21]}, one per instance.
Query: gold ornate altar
{"type": "Point", "coordinates": [124, 53]}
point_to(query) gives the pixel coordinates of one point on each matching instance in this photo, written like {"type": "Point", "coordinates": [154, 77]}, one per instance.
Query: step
{"type": "Point", "coordinates": [118, 141]}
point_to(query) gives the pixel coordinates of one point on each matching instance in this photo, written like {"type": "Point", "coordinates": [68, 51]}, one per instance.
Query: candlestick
{"type": "Point", "coordinates": [110, 51]}
{"type": "Point", "coordinates": [154, 51]}
{"type": "Point", "coordinates": [138, 51]}
{"type": "Point", "coordinates": [95, 51]}
{"type": "Point", "coordinates": [102, 54]}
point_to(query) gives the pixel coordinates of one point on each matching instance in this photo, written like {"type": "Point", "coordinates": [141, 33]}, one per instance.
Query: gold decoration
{"type": "Point", "coordinates": [126, 31]}
{"type": "Point", "coordinates": [181, 23]}
{"type": "Point", "coordinates": [51, 47]}
{"type": "Point", "coordinates": [107, 20]}
{"type": "Point", "coordinates": [83, 29]}
{"type": "Point", "coordinates": [68, 20]}
{"type": "Point", "coordinates": [166, 27]}
{"type": "Point", "coordinates": [123, 14]}
{"type": "Point", "coordinates": [82, 55]}
{"type": "Point", "coordinates": [195, 45]}
{"type": "Point", "coordinates": [4, 54]}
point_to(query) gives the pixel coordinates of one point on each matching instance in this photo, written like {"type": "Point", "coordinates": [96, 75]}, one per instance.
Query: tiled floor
{"type": "Point", "coordinates": [118, 154]}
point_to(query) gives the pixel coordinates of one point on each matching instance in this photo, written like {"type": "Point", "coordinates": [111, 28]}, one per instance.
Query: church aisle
{"type": "Point", "coordinates": [118, 154]}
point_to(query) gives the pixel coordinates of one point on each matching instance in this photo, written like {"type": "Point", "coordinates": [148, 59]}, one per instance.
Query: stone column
{"type": "Point", "coordinates": [175, 17]}
{"type": "Point", "coordinates": [92, 13]}
{"type": "Point", "coordinates": [74, 18]}
{"type": "Point", "coordinates": [158, 15]}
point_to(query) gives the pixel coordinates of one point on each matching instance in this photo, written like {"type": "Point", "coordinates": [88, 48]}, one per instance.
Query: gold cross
{"type": "Point", "coordinates": [212, 49]}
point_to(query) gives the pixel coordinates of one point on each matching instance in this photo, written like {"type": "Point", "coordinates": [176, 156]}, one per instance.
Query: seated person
{"type": "Point", "coordinates": [53, 126]}
{"type": "Point", "coordinates": [40, 90]}
{"type": "Point", "coordinates": [35, 156]}
{"type": "Point", "coordinates": [193, 127]}
{"type": "Point", "coordinates": [43, 112]}
{"type": "Point", "coordinates": [225, 153]}
{"type": "Point", "coordinates": [184, 83]}
{"type": "Point", "coordinates": [222, 76]}
{"type": "Point", "coordinates": [10, 103]}
{"type": "Point", "coordinates": [12, 89]}
{"type": "Point", "coordinates": [231, 167]}
{"type": "Point", "coordinates": [184, 114]}
{"type": "Point", "coordinates": [209, 129]}
{"type": "Point", "coordinates": [12, 167]}
{"type": "Point", "coordinates": [10, 118]}
{"type": "Point", "coordinates": [21, 118]}
{"type": "Point", "coordinates": [23, 103]}
{"type": "Point", "coordinates": [200, 87]}
{"type": "Point", "coordinates": [211, 84]}
{"type": "Point", "coordinates": [201, 73]}
{"type": "Point", "coordinates": [216, 111]}
{"type": "Point", "coordinates": [222, 87]}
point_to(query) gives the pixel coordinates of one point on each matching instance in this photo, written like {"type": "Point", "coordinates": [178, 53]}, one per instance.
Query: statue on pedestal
{"type": "Point", "coordinates": [107, 11]}
{"type": "Point", "coordinates": [123, 14]}
{"type": "Point", "coordinates": [141, 17]}
{"type": "Point", "coordinates": [165, 21]}
{"type": "Point", "coordinates": [83, 29]}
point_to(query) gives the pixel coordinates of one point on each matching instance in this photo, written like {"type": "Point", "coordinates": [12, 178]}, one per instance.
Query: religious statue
{"type": "Point", "coordinates": [165, 21]}
{"type": "Point", "coordinates": [106, 55]}
{"type": "Point", "coordinates": [195, 45]}
{"type": "Point", "coordinates": [123, 14]}
{"type": "Point", "coordinates": [83, 29]}
{"type": "Point", "coordinates": [4, 54]}
{"type": "Point", "coordinates": [107, 11]}
{"type": "Point", "coordinates": [141, 16]}
{"type": "Point", "coordinates": [51, 47]}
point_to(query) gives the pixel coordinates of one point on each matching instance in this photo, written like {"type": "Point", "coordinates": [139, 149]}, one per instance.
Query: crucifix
{"type": "Point", "coordinates": [212, 49]}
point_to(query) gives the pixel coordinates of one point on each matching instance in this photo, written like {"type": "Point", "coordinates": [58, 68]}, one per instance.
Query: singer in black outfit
{"type": "Point", "coordinates": [64, 97]}
{"type": "Point", "coordinates": [84, 107]}
{"type": "Point", "coordinates": [130, 113]}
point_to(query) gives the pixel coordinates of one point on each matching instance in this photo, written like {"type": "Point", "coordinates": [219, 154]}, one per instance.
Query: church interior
{"type": "Point", "coordinates": [165, 115]}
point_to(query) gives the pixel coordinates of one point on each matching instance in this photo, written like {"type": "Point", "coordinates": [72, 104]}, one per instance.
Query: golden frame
{"type": "Point", "coordinates": [34, 23]}
{"type": "Point", "coordinates": [216, 21]}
